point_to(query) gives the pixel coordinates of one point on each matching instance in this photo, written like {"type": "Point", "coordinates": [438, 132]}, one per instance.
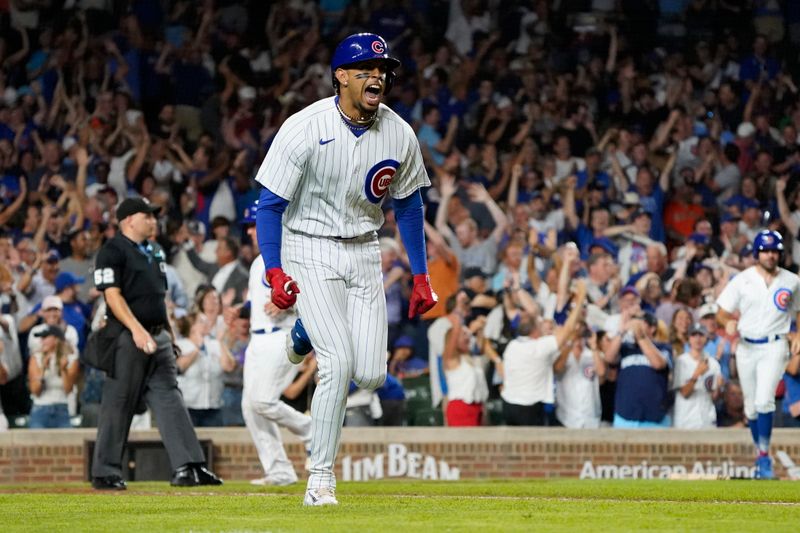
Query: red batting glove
{"type": "Point", "coordinates": [422, 296]}
{"type": "Point", "coordinates": [284, 288]}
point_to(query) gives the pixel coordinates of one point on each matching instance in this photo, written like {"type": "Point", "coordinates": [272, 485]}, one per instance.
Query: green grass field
{"type": "Point", "coordinates": [558, 505]}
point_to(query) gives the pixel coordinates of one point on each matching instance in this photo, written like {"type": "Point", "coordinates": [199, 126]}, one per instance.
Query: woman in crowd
{"type": "Point", "coordinates": [697, 381]}
{"type": "Point", "coordinates": [679, 330]}
{"type": "Point", "coordinates": [208, 304]}
{"type": "Point", "coordinates": [465, 376]}
{"type": "Point", "coordinates": [649, 287]}
{"type": "Point", "coordinates": [201, 365]}
{"type": "Point", "coordinates": [52, 372]}
{"type": "Point", "coordinates": [580, 370]}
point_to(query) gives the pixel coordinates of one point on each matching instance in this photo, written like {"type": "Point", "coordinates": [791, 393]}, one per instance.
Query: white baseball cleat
{"type": "Point", "coordinates": [297, 343]}
{"type": "Point", "coordinates": [324, 496]}
{"type": "Point", "coordinates": [294, 357]}
{"type": "Point", "coordinates": [265, 481]}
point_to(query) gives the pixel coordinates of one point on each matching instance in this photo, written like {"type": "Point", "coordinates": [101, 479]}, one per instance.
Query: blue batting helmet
{"type": "Point", "coordinates": [767, 240]}
{"type": "Point", "coordinates": [249, 215]}
{"type": "Point", "coordinates": [361, 47]}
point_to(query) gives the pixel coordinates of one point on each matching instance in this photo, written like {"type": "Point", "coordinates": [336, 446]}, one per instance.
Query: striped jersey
{"type": "Point", "coordinates": [334, 181]}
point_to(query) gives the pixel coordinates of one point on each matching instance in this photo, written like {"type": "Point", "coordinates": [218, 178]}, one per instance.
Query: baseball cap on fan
{"type": "Point", "coordinates": [52, 302]}
{"type": "Point", "coordinates": [631, 199]}
{"type": "Point", "coordinates": [246, 93]}
{"type": "Point", "coordinates": [745, 129]}
{"type": "Point", "coordinates": [55, 331]}
{"type": "Point", "coordinates": [709, 309]}
{"type": "Point", "coordinates": [698, 329]}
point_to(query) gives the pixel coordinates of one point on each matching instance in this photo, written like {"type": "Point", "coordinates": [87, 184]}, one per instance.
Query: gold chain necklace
{"type": "Point", "coordinates": [356, 123]}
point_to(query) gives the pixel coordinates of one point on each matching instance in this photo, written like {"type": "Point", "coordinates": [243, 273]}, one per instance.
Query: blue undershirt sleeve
{"type": "Point", "coordinates": [268, 227]}
{"type": "Point", "coordinates": [409, 215]}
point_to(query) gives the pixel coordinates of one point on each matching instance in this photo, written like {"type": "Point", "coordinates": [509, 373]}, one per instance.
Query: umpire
{"type": "Point", "coordinates": [131, 272]}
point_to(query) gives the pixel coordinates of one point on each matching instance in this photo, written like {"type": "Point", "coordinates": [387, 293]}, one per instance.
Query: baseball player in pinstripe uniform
{"type": "Point", "coordinates": [765, 296]}
{"type": "Point", "coordinates": [325, 176]}
{"type": "Point", "coordinates": [267, 373]}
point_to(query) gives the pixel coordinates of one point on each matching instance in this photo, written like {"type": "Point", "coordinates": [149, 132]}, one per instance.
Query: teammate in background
{"type": "Point", "coordinates": [765, 295]}
{"type": "Point", "coordinates": [267, 373]}
{"type": "Point", "coordinates": [698, 381]}
{"type": "Point", "coordinates": [325, 176]}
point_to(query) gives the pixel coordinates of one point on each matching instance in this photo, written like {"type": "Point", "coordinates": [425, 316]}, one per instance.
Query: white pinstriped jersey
{"type": "Point", "coordinates": [335, 182]}
{"type": "Point", "coordinates": [764, 310]}
{"type": "Point", "coordinates": [259, 295]}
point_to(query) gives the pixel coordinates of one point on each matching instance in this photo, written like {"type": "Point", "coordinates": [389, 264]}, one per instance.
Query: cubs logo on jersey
{"type": "Point", "coordinates": [782, 298]}
{"type": "Point", "coordinates": [379, 178]}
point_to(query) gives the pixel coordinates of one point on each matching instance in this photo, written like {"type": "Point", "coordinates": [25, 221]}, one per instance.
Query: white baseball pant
{"type": "Point", "coordinates": [343, 308]}
{"type": "Point", "coordinates": [760, 368]}
{"type": "Point", "coordinates": [267, 373]}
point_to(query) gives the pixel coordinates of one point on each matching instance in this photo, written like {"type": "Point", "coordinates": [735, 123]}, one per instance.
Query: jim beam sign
{"type": "Point", "coordinates": [397, 462]}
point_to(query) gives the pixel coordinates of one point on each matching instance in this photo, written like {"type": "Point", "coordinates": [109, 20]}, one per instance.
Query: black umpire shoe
{"type": "Point", "coordinates": [194, 475]}
{"type": "Point", "coordinates": [184, 476]}
{"type": "Point", "coordinates": [108, 483]}
{"type": "Point", "coordinates": [206, 476]}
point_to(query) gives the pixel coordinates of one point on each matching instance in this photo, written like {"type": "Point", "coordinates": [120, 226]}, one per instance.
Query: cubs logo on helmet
{"type": "Point", "coordinates": [364, 47]}
{"type": "Point", "coordinates": [379, 178]}
{"type": "Point", "coordinates": [782, 299]}
{"type": "Point", "coordinates": [767, 240]}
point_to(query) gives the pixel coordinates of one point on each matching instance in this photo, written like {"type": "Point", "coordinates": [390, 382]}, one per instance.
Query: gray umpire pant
{"type": "Point", "coordinates": [154, 378]}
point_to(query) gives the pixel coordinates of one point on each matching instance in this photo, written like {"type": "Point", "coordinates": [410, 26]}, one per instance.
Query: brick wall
{"type": "Point", "coordinates": [434, 453]}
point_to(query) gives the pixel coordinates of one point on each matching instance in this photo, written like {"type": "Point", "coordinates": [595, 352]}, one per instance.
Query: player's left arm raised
{"type": "Point", "coordinates": [410, 217]}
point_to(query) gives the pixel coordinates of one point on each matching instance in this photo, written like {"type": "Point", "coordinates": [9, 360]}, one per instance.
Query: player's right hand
{"type": "Point", "coordinates": [284, 288]}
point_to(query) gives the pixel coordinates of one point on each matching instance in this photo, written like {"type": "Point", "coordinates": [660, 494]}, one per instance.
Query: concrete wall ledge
{"type": "Point", "coordinates": [490, 434]}
{"type": "Point", "coordinates": [439, 453]}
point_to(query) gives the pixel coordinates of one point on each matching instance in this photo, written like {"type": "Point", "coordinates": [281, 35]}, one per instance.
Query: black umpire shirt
{"type": "Point", "coordinates": [139, 270]}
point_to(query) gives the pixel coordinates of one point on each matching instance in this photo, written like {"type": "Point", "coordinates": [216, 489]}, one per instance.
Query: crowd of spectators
{"type": "Point", "coordinates": [599, 170]}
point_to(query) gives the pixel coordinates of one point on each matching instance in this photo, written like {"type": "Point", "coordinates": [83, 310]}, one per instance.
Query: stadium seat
{"type": "Point", "coordinates": [494, 410]}
{"type": "Point", "coordinates": [427, 417]}
{"type": "Point", "coordinates": [418, 400]}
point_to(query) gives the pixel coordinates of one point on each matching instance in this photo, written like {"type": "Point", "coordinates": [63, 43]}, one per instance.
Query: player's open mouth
{"type": "Point", "coordinates": [372, 94]}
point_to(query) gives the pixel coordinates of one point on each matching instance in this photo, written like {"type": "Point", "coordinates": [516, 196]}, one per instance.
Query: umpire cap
{"type": "Point", "coordinates": [131, 206]}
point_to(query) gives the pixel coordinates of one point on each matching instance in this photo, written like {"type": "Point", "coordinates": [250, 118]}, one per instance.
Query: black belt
{"type": "Point", "coordinates": [764, 340]}
{"type": "Point", "coordinates": [155, 330]}
{"type": "Point", "coordinates": [365, 237]}
{"type": "Point", "coordinates": [262, 331]}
